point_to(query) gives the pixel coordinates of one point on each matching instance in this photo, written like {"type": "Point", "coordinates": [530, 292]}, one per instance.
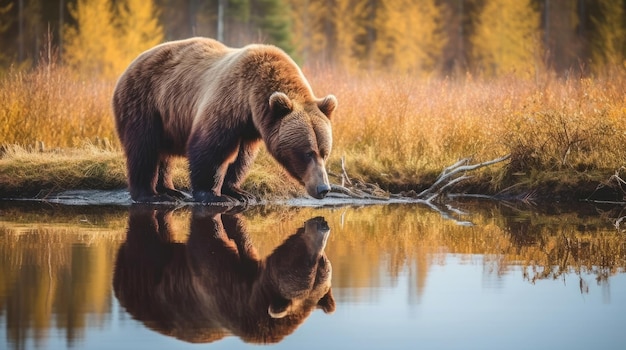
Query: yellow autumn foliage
{"type": "Point", "coordinates": [106, 39]}
{"type": "Point", "coordinates": [608, 49]}
{"type": "Point", "coordinates": [507, 38]}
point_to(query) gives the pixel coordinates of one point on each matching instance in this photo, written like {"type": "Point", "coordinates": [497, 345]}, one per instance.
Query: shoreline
{"type": "Point", "coordinates": [546, 194]}
{"type": "Point", "coordinates": [35, 175]}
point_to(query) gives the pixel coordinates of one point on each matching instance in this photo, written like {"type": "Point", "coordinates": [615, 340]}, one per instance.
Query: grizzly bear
{"type": "Point", "coordinates": [215, 104]}
{"type": "Point", "coordinates": [215, 285]}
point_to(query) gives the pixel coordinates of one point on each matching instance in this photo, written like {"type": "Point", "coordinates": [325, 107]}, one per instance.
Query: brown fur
{"type": "Point", "coordinates": [215, 285]}
{"type": "Point", "coordinates": [214, 104]}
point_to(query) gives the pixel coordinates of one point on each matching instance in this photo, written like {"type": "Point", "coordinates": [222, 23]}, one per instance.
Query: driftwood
{"type": "Point", "coordinates": [447, 177]}
{"type": "Point", "coordinates": [451, 175]}
{"type": "Point", "coordinates": [432, 196]}
{"type": "Point", "coordinates": [436, 194]}
{"type": "Point", "coordinates": [356, 188]}
{"type": "Point", "coordinates": [614, 182]}
{"type": "Point", "coordinates": [618, 184]}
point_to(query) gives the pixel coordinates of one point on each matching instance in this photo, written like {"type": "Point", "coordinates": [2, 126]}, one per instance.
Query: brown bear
{"type": "Point", "coordinates": [215, 285]}
{"type": "Point", "coordinates": [214, 104]}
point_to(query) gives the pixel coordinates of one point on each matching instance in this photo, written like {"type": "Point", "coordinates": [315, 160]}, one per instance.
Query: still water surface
{"type": "Point", "coordinates": [402, 277]}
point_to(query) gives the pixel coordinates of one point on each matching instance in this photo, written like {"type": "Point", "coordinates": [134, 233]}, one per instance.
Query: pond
{"type": "Point", "coordinates": [487, 276]}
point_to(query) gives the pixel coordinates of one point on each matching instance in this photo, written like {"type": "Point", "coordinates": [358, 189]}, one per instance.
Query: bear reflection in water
{"type": "Point", "coordinates": [215, 285]}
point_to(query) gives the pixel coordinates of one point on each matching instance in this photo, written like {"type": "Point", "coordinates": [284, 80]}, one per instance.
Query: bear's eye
{"type": "Point", "coordinates": [309, 155]}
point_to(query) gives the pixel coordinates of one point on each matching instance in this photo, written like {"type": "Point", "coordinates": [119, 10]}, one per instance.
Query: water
{"type": "Point", "coordinates": [491, 276]}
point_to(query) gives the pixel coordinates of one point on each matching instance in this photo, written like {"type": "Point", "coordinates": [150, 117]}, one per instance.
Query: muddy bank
{"type": "Point", "coordinates": [547, 194]}
{"type": "Point", "coordinates": [122, 198]}
{"type": "Point", "coordinates": [551, 188]}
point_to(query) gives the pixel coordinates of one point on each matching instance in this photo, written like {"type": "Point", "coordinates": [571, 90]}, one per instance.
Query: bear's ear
{"type": "Point", "coordinates": [280, 104]}
{"type": "Point", "coordinates": [279, 307]}
{"type": "Point", "coordinates": [327, 303]}
{"type": "Point", "coordinates": [327, 105]}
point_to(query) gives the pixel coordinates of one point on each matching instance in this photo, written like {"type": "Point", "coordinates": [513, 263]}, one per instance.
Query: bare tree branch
{"type": "Point", "coordinates": [448, 177]}
{"type": "Point", "coordinates": [359, 189]}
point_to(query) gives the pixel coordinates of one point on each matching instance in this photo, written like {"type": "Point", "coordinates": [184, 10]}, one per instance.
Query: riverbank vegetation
{"type": "Point", "coordinates": [390, 129]}
{"type": "Point", "coordinates": [413, 99]}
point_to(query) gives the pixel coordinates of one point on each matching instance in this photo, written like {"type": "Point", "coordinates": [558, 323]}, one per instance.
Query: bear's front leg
{"type": "Point", "coordinates": [206, 187]}
{"type": "Point", "coordinates": [209, 158]}
{"type": "Point", "coordinates": [238, 170]}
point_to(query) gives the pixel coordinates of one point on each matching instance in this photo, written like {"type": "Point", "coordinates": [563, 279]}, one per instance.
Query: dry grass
{"type": "Point", "coordinates": [393, 130]}
{"type": "Point", "coordinates": [28, 173]}
{"type": "Point", "coordinates": [50, 106]}
{"type": "Point", "coordinates": [403, 125]}
{"type": "Point", "coordinates": [396, 130]}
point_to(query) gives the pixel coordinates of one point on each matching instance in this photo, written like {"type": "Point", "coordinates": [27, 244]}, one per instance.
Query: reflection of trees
{"type": "Point", "coordinates": [561, 252]}
{"type": "Point", "coordinates": [55, 266]}
{"type": "Point", "coordinates": [555, 243]}
{"type": "Point", "coordinates": [53, 277]}
{"type": "Point", "coordinates": [409, 239]}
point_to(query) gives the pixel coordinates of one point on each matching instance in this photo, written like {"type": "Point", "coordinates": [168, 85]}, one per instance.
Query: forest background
{"type": "Point", "coordinates": [426, 37]}
{"type": "Point", "coordinates": [421, 83]}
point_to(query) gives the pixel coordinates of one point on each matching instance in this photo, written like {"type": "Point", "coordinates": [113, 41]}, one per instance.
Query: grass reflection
{"type": "Point", "coordinates": [54, 278]}
{"type": "Point", "coordinates": [370, 243]}
{"type": "Point", "coordinates": [56, 263]}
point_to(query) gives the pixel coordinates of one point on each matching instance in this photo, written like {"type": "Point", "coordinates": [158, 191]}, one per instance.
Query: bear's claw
{"type": "Point", "coordinates": [173, 193]}
{"type": "Point", "coordinates": [239, 195]}
{"type": "Point", "coordinates": [210, 197]}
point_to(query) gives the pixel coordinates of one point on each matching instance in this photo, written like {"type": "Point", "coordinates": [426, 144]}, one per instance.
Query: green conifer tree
{"type": "Point", "coordinates": [272, 19]}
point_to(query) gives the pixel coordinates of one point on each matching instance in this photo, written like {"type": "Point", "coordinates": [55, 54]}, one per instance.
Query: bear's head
{"type": "Point", "coordinates": [303, 139]}
{"type": "Point", "coordinates": [300, 273]}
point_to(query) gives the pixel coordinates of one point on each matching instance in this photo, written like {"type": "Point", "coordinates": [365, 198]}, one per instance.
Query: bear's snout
{"type": "Point", "coordinates": [318, 190]}
{"type": "Point", "coordinates": [316, 180]}
{"type": "Point", "coordinates": [322, 191]}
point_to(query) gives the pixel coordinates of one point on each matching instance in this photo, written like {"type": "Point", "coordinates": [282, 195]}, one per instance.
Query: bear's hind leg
{"type": "Point", "coordinates": [142, 164]}
{"type": "Point", "coordinates": [165, 185]}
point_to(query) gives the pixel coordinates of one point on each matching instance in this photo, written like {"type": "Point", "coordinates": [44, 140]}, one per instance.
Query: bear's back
{"type": "Point", "coordinates": [181, 87]}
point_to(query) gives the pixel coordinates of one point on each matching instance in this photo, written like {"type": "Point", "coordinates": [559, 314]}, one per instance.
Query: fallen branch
{"type": "Point", "coordinates": [450, 176]}
{"type": "Point", "coordinates": [359, 189]}
{"type": "Point", "coordinates": [446, 179]}
{"type": "Point", "coordinates": [618, 222]}
{"type": "Point", "coordinates": [344, 173]}
{"type": "Point", "coordinates": [616, 183]}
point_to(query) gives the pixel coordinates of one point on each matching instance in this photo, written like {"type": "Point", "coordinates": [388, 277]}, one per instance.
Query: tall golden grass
{"type": "Point", "coordinates": [391, 129]}
{"type": "Point", "coordinates": [52, 106]}
{"type": "Point", "coordinates": [403, 124]}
